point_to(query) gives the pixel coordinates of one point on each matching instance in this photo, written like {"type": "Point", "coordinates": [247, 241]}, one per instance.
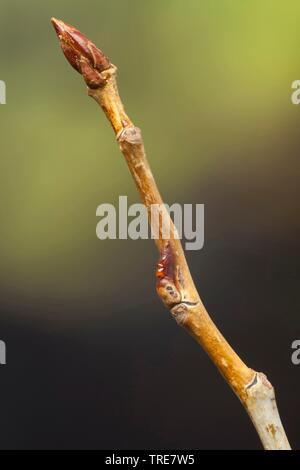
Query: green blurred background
{"type": "Point", "coordinates": [209, 83]}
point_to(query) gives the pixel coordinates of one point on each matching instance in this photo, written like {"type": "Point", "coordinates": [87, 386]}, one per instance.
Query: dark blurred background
{"type": "Point", "coordinates": [93, 358]}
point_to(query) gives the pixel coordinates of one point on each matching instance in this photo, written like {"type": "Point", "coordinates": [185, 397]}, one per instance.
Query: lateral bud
{"type": "Point", "coordinates": [165, 278]}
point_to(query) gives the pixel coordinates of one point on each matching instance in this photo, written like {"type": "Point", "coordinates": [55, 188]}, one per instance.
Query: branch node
{"type": "Point", "coordinates": [180, 313]}
{"type": "Point", "coordinates": [131, 135]}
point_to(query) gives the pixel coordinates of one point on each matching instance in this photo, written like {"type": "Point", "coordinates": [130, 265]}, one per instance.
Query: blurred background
{"type": "Point", "coordinates": [93, 358]}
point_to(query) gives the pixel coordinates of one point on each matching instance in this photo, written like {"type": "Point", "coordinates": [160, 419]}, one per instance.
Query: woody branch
{"type": "Point", "coordinates": [175, 285]}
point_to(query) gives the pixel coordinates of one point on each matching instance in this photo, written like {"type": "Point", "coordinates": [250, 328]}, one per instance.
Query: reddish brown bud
{"type": "Point", "coordinates": [165, 265]}
{"type": "Point", "coordinates": [81, 53]}
{"type": "Point", "coordinates": [165, 278]}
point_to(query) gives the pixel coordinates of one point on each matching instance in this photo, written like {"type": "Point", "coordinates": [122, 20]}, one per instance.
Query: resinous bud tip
{"type": "Point", "coordinates": [80, 52]}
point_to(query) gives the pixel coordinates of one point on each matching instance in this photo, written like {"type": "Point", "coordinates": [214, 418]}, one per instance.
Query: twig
{"type": "Point", "coordinates": [175, 285]}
